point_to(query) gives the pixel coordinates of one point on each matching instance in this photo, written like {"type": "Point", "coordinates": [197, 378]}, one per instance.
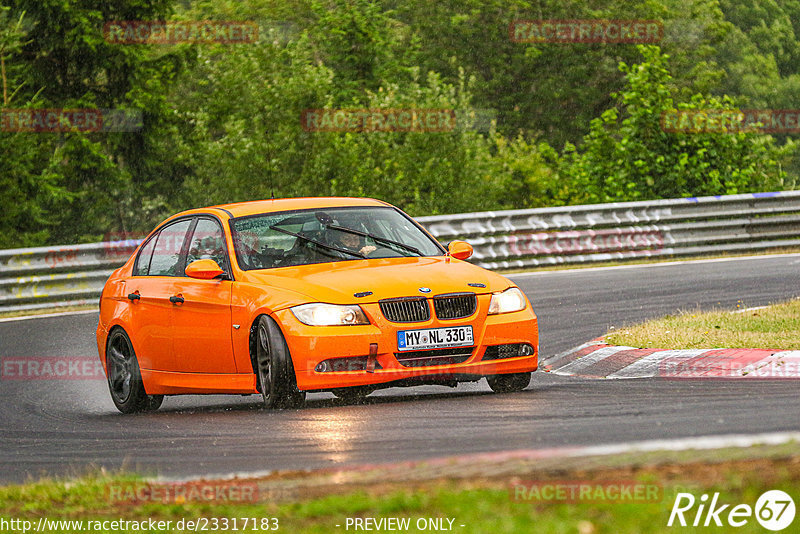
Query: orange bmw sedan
{"type": "Point", "coordinates": [289, 296]}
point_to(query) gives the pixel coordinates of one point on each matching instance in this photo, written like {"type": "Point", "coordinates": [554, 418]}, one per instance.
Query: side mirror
{"type": "Point", "coordinates": [460, 250]}
{"type": "Point", "coordinates": [203, 269]}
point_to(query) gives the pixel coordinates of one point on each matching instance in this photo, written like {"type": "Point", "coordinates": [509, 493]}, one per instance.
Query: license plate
{"type": "Point", "coordinates": [434, 338]}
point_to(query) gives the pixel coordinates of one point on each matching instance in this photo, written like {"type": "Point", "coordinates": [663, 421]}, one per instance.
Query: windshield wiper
{"type": "Point", "coordinates": [318, 243]}
{"type": "Point", "coordinates": [378, 239]}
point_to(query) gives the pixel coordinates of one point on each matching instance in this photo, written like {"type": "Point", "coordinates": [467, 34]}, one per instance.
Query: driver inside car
{"type": "Point", "coordinates": [355, 242]}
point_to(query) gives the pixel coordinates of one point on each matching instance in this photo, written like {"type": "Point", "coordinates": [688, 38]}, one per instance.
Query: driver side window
{"type": "Point", "coordinates": [208, 242]}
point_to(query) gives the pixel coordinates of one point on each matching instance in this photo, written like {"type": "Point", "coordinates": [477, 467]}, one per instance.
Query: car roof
{"type": "Point", "coordinates": [254, 207]}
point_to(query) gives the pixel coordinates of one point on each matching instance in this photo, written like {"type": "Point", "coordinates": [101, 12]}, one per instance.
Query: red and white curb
{"type": "Point", "coordinates": [596, 359]}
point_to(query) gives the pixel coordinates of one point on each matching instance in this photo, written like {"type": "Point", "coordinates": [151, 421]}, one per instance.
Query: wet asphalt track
{"type": "Point", "coordinates": [67, 426]}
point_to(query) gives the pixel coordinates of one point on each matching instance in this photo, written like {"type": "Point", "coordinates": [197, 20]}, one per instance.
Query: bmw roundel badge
{"type": "Point", "coordinates": [424, 290]}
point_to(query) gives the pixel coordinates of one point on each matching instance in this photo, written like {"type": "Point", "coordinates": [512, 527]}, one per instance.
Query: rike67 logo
{"type": "Point", "coordinates": [774, 510]}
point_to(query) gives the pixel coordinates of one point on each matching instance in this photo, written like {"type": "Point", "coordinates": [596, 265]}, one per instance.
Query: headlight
{"type": "Point", "coordinates": [510, 300]}
{"type": "Point", "coordinates": [319, 314]}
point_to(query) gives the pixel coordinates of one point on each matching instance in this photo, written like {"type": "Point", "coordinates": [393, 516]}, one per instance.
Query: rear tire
{"type": "Point", "coordinates": [509, 383]}
{"type": "Point", "coordinates": [125, 378]}
{"type": "Point", "coordinates": [274, 370]}
{"type": "Point", "coordinates": [353, 394]}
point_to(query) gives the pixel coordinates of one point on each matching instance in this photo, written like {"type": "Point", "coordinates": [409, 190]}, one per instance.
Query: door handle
{"type": "Point", "coordinates": [177, 299]}
{"type": "Point", "coordinates": [134, 296]}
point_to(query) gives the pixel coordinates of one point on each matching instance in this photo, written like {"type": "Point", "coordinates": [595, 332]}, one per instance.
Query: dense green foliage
{"type": "Point", "coordinates": [575, 123]}
{"type": "Point", "coordinates": [627, 154]}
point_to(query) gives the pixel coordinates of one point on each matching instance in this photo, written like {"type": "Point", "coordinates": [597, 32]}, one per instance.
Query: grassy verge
{"type": "Point", "coordinates": [772, 327]}
{"type": "Point", "coordinates": [492, 503]}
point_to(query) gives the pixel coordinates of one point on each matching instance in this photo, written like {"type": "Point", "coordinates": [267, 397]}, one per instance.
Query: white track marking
{"type": "Point", "coordinates": [46, 315]}
{"type": "Point", "coordinates": [648, 265]}
{"type": "Point", "coordinates": [701, 442]}
{"type": "Point", "coordinates": [744, 310]}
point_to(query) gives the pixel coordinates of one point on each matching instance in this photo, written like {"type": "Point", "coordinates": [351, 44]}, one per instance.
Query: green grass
{"type": "Point", "coordinates": [481, 505]}
{"type": "Point", "coordinates": [773, 327]}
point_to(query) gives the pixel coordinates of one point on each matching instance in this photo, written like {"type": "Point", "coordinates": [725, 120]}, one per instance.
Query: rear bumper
{"type": "Point", "coordinates": [311, 345]}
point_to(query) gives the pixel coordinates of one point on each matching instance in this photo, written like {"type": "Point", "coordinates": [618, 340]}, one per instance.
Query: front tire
{"type": "Point", "coordinates": [274, 369]}
{"type": "Point", "coordinates": [125, 378]}
{"type": "Point", "coordinates": [509, 383]}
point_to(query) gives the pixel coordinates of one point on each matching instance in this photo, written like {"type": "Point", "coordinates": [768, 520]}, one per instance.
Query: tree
{"type": "Point", "coordinates": [628, 155]}
{"type": "Point", "coordinates": [65, 63]}
{"type": "Point", "coordinates": [28, 187]}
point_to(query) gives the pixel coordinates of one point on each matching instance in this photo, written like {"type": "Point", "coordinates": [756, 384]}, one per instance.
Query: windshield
{"type": "Point", "coordinates": [324, 235]}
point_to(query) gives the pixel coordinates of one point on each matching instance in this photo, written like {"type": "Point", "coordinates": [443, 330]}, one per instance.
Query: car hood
{"type": "Point", "coordinates": [338, 282]}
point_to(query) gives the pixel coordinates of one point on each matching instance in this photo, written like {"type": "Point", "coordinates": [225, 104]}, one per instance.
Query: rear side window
{"type": "Point", "coordinates": [145, 255]}
{"type": "Point", "coordinates": [167, 253]}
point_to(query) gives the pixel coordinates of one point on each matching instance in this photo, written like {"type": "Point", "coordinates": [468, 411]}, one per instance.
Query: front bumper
{"type": "Point", "coordinates": [310, 345]}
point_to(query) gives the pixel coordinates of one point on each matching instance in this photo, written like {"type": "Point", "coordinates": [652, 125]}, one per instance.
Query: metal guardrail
{"type": "Point", "coordinates": [71, 275]}
{"type": "Point", "coordinates": [38, 278]}
{"type": "Point", "coordinates": [625, 230]}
